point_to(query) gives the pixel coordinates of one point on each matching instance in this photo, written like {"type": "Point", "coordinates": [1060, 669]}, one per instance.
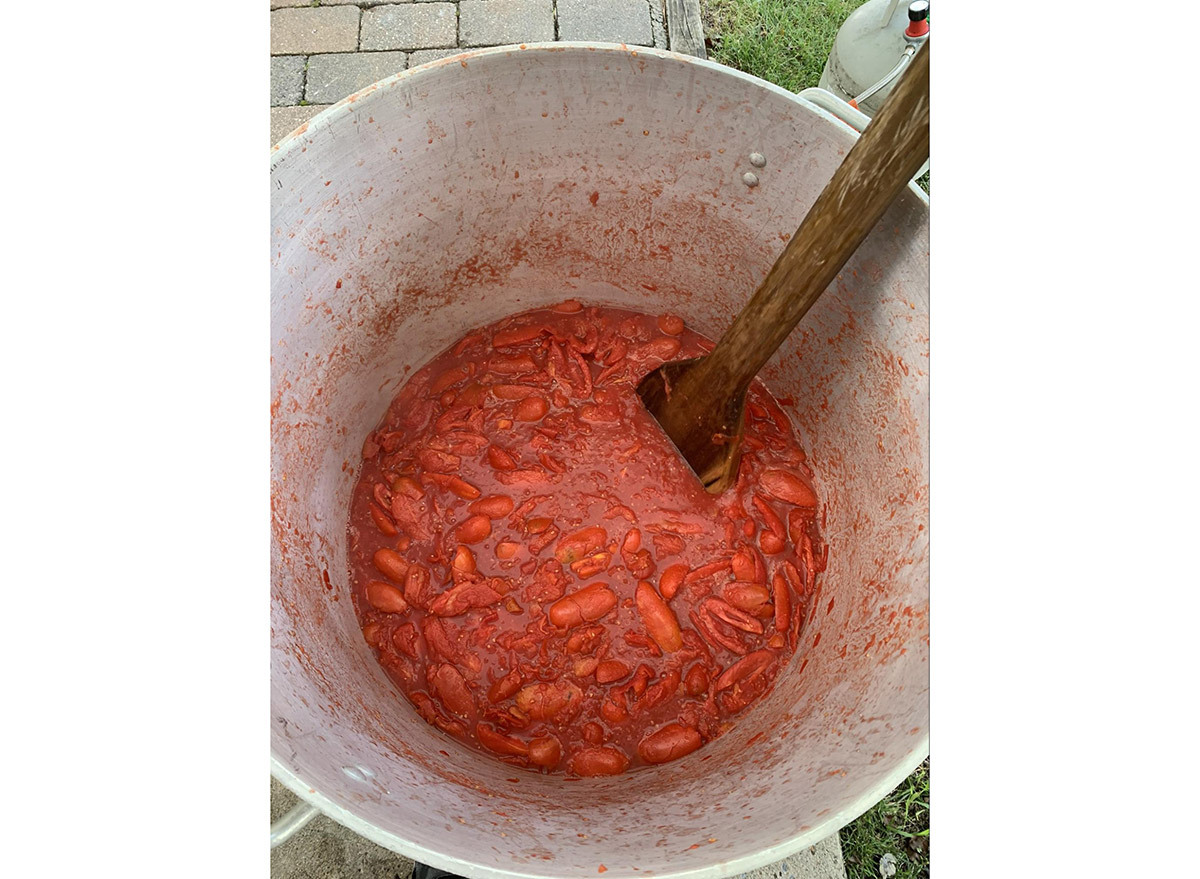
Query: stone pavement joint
{"type": "Point", "coordinates": [314, 29]}
{"type": "Point", "coordinates": [501, 22]}
{"type": "Point", "coordinates": [410, 26]}
{"type": "Point", "coordinates": [333, 77]}
{"type": "Point", "coordinates": [287, 80]}
{"type": "Point", "coordinates": [615, 21]}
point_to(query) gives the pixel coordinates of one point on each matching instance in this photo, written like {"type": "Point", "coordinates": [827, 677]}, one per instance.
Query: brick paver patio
{"type": "Point", "coordinates": [321, 52]}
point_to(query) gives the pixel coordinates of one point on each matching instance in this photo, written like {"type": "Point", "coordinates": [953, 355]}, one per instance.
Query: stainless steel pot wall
{"type": "Point", "coordinates": [455, 193]}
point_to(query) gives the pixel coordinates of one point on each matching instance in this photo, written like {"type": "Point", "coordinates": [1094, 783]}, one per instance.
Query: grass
{"type": "Point", "coordinates": [898, 825]}
{"type": "Point", "coordinates": [782, 41]}
{"type": "Point", "coordinates": [786, 42]}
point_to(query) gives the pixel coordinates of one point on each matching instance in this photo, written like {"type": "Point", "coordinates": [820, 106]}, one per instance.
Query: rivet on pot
{"type": "Point", "coordinates": [750, 178]}
{"type": "Point", "coordinates": [758, 160]}
{"type": "Point", "coordinates": [358, 772]}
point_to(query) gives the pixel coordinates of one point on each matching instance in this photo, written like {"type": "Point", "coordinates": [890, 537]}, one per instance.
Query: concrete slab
{"type": "Point", "coordinates": [326, 850]}
{"type": "Point", "coordinates": [820, 861]}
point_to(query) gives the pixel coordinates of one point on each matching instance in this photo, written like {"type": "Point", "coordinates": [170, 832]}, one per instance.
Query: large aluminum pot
{"type": "Point", "coordinates": [504, 179]}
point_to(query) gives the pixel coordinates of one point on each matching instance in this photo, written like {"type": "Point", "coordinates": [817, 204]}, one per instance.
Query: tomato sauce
{"type": "Point", "coordinates": [541, 573]}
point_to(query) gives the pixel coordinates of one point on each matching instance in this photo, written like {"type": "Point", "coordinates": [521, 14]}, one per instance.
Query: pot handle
{"type": "Point", "coordinates": [843, 112]}
{"type": "Point", "coordinates": [836, 107]}
{"type": "Point", "coordinates": [291, 823]}
{"type": "Point", "coordinates": [301, 813]}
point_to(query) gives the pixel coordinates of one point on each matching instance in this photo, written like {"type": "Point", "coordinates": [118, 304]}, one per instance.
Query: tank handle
{"type": "Point", "coordinates": [852, 117]}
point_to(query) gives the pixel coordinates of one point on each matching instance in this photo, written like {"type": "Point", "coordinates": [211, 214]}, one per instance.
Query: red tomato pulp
{"type": "Point", "coordinates": [540, 572]}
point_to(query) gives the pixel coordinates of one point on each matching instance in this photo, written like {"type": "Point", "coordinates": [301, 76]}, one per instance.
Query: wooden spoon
{"type": "Point", "coordinates": [700, 403]}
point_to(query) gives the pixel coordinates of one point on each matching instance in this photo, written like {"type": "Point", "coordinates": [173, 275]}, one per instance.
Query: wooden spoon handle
{"type": "Point", "coordinates": [891, 150]}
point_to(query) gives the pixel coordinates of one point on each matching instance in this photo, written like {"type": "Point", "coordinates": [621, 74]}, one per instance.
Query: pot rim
{"type": "Point", "coordinates": [828, 826]}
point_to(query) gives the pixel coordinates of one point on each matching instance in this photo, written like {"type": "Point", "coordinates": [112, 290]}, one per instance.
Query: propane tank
{"type": "Point", "coordinates": [872, 49]}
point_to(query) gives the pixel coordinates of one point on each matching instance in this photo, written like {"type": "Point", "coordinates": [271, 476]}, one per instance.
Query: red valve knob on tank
{"type": "Point", "coordinates": [918, 19]}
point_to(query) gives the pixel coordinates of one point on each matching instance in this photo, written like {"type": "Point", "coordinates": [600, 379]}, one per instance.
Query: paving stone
{"type": "Point", "coordinates": [285, 120]}
{"type": "Point", "coordinates": [503, 22]}
{"type": "Point", "coordinates": [613, 21]}
{"type": "Point", "coordinates": [426, 55]}
{"type": "Point", "coordinates": [410, 26]}
{"type": "Point", "coordinates": [313, 29]}
{"type": "Point", "coordinates": [279, 4]}
{"type": "Point", "coordinates": [287, 80]}
{"type": "Point", "coordinates": [333, 77]}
